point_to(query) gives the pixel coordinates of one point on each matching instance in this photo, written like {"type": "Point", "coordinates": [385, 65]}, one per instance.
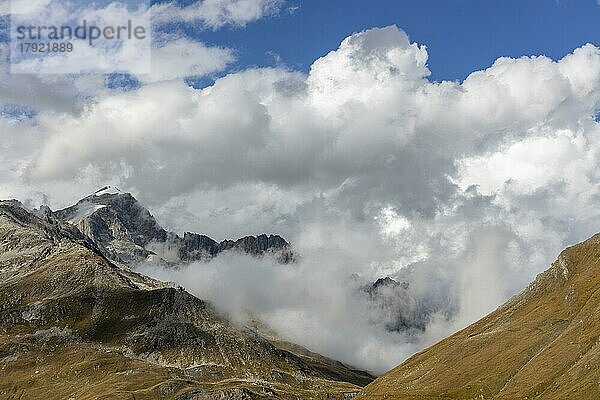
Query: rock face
{"type": "Point", "coordinates": [542, 344]}
{"type": "Point", "coordinates": [127, 232]}
{"type": "Point", "coordinates": [73, 324]}
{"type": "Point", "coordinates": [116, 222]}
{"type": "Point", "coordinates": [398, 306]}
{"type": "Point", "coordinates": [195, 247]}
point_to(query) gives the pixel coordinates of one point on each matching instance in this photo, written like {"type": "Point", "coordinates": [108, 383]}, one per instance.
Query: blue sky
{"type": "Point", "coordinates": [461, 35]}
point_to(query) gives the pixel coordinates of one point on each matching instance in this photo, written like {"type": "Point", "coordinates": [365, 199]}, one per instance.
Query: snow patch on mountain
{"type": "Point", "coordinates": [84, 210]}
{"type": "Point", "coordinates": [108, 190]}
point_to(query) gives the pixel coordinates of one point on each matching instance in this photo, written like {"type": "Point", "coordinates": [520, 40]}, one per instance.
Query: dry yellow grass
{"type": "Point", "coordinates": [542, 344]}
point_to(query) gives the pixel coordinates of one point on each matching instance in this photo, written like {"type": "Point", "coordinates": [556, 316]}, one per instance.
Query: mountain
{"type": "Point", "coordinates": [76, 325]}
{"type": "Point", "coordinates": [400, 308]}
{"type": "Point", "coordinates": [542, 344]}
{"type": "Point", "coordinates": [117, 223]}
{"type": "Point", "coordinates": [194, 247]}
{"type": "Point", "coordinates": [127, 232]}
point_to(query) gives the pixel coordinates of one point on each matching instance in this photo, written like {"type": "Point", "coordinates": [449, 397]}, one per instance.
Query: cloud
{"type": "Point", "coordinates": [465, 189]}
{"type": "Point", "coordinates": [215, 14]}
{"type": "Point", "coordinates": [313, 302]}
{"type": "Point", "coordinates": [101, 55]}
{"type": "Point", "coordinates": [161, 55]}
{"type": "Point", "coordinates": [193, 59]}
{"type": "Point", "coordinates": [23, 6]}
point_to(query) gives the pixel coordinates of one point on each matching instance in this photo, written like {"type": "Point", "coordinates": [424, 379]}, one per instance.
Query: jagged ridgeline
{"type": "Point", "coordinates": [74, 323]}
{"type": "Point", "coordinates": [127, 232]}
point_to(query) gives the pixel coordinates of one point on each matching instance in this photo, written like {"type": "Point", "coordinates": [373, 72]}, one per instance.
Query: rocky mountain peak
{"type": "Point", "coordinates": [116, 222]}
{"type": "Point", "coordinates": [389, 282]}
{"type": "Point", "coordinates": [398, 306]}
{"type": "Point", "coordinates": [108, 190]}
{"type": "Point", "coordinates": [128, 232]}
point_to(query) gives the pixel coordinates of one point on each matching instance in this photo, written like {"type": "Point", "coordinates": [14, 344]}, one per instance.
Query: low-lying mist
{"type": "Point", "coordinates": [322, 303]}
{"type": "Point", "coordinates": [313, 302]}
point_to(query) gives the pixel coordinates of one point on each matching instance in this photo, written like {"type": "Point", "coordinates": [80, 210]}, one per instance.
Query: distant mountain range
{"type": "Point", "coordinates": [127, 232]}
{"type": "Point", "coordinates": [77, 323]}
{"type": "Point", "coordinates": [543, 344]}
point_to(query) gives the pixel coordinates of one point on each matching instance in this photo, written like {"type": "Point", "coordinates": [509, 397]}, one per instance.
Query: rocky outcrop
{"type": "Point", "coordinates": [234, 394]}
{"type": "Point", "coordinates": [399, 307]}
{"type": "Point", "coordinates": [257, 245]}
{"type": "Point", "coordinates": [195, 247]}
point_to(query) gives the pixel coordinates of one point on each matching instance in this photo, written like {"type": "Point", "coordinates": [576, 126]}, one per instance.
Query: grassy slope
{"type": "Point", "coordinates": [542, 344]}
{"type": "Point", "coordinates": [85, 371]}
{"type": "Point", "coordinates": [73, 325]}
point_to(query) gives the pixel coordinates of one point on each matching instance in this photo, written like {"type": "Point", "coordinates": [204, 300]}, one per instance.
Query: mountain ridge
{"type": "Point", "coordinates": [129, 233]}
{"type": "Point", "coordinates": [543, 343]}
